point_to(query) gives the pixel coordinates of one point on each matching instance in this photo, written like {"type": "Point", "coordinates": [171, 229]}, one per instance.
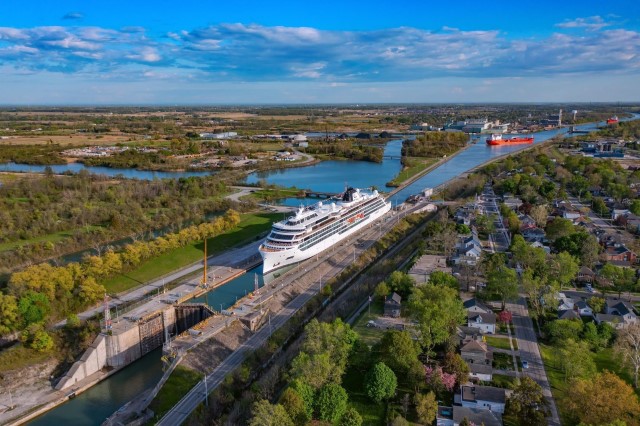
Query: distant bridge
{"type": "Point", "coordinates": [318, 194]}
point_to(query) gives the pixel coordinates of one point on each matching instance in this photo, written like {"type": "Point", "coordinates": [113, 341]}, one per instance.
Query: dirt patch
{"type": "Point", "coordinates": [72, 140]}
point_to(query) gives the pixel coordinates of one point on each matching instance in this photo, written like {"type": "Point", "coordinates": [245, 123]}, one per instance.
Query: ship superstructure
{"type": "Point", "coordinates": [317, 227]}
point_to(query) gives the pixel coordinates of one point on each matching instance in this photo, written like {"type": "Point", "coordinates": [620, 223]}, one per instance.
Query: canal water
{"type": "Point", "coordinates": [98, 170]}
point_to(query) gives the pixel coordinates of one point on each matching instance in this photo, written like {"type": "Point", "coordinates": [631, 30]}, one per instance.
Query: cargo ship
{"type": "Point", "coordinates": [613, 120]}
{"type": "Point", "coordinates": [497, 139]}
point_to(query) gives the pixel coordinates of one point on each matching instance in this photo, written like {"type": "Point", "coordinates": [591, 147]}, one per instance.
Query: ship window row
{"type": "Point", "coordinates": [304, 219]}
{"type": "Point", "coordinates": [278, 236]}
{"type": "Point", "coordinates": [320, 236]}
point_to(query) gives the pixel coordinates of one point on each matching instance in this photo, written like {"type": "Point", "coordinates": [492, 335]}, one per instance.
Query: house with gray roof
{"type": "Point", "coordinates": [483, 397]}
{"type": "Point", "coordinates": [453, 416]}
{"type": "Point", "coordinates": [485, 322]}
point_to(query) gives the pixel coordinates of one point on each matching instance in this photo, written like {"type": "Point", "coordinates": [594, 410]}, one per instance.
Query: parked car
{"type": "Point", "coordinates": [525, 364]}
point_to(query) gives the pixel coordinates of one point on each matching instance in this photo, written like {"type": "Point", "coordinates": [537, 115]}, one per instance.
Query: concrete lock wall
{"type": "Point", "coordinates": [123, 348]}
{"type": "Point", "coordinates": [92, 361]}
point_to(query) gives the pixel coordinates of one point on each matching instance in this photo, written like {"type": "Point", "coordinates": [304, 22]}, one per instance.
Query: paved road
{"type": "Point", "coordinates": [524, 331]}
{"type": "Point", "coordinates": [530, 352]}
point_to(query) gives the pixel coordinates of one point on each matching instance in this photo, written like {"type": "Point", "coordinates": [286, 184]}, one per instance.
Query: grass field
{"type": "Point", "coordinates": [369, 335]}
{"type": "Point", "coordinates": [53, 238]}
{"type": "Point", "coordinates": [18, 356]}
{"type": "Point", "coordinates": [177, 385]}
{"type": "Point", "coordinates": [250, 227]}
{"type": "Point", "coordinates": [503, 381]}
{"type": "Point", "coordinates": [408, 172]}
{"type": "Point", "coordinates": [500, 343]}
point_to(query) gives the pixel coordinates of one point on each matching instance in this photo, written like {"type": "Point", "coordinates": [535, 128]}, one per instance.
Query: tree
{"type": "Point", "coordinates": [559, 227]}
{"type": "Point", "coordinates": [454, 364]}
{"type": "Point", "coordinates": [316, 370]}
{"type": "Point", "coordinates": [539, 293]}
{"type": "Point", "coordinates": [528, 404]}
{"type": "Point", "coordinates": [443, 279]}
{"type": "Point", "coordinates": [9, 314]}
{"type": "Point", "coordinates": [596, 303]}
{"type": "Point", "coordinates": [576, 361]}
{"type": "Point", "coordinates": [295, 406]}
{"type": "Point", "coordinates": [265, 414]}
{"type": "Point", "coordinates": [380, 382]}
{"type": "Point", "coordinates": [307, 394]}
{"type": "Point", "coordinates": [635, 207]}
{"type": "Point", "coordinates": [589, 251]}
{"type": "Point", "coordinates": [539, 213]}
{"type": "Point", "coordinates": [621, 278]}
{"type": "Point", "coordinates": [351, 417]}
{"type": "Point", "coordinates": [426, 407]}
{"type": "Point", "coordinates": [503, 282]}
{"type": "Point", "coordinates": [382, 290]}
{"type": "Point", "coordinates": [628, 347]}
{"type": "Point", "coordinates": [33, 307]}
{"type": "Point", "coordinates": [398, 350]}
{"type": "Point", "coordinates": [563, 268]}
{"type": "Point", "coordinates": [603, 399]}
{"type": "Point", "coordinates": [331, 402]}
{"type": "Point", "coordinates": [527, 256]}
{"type": "Point", "coordinates": [400, 283]}
{"type": "Point", "coordinates": [559, 331]}
{"type": "Point", "coordinates": [438, 311]}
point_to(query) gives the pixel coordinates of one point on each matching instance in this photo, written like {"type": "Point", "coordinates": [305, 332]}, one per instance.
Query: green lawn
{"type": "Point", "coordinates": [419, 164]}
{"type": "Point", "coordinates": [274, 194]}
{"type": "Point", "coordinates": [500, 342]}
{"type": "Point", "coordinates": [177, 385]}
{"type": "Point", "coordinates": [250, 228]}
{"type": "Point", "coordinates": [502, 361]}
{"type": "Point", "coordinates": [502, 381]}
{"type": "Point", "coordinates": [369, 335]}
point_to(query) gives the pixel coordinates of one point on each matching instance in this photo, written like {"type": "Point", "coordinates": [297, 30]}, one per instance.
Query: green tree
{"type": "Point", "coordinates": [528, 404]}
{"type": "Point", "coordinates": [562, 330]}
{"type": "Point", "coordinates": [443, 279]}
{"type": "Point", "coordinates": [307, 393]}
{"type": "Point", "coordinates": [621, 278]}
{"type": "Point", "coordinates": [563, 268]}
{"type": "Point", "coordinates": [438, 311]}
{"type": "Point", "coordinates": [382, 290]}
{"type": "Point", "coordinates": [331, 402]}
{"type": "Point", "coordinates": [559, 227]}
{"type": "Point", "coordinates": [426, 407]}
{"type": "Point", "coordinates": [316, 370]}
{"type": "Point", "coordinates": [540, 294]}
{"type": "Point", "coordinates": [635, 207]}
{"type": "Point", "coordinates": [295, 407]}
{"type": "Point", "coordinates": [596, 303]}
{"type": "Point", "coordinates": [36, 337]}
{"type": "Point", "coordinates": [398, 350]}
{"type": "Point", "coordinates": [265, 414]}
{"type": "Point", "coordinates": [503, 283]}
{"type": "Point", "coordinates": [351, 417]}
{"type": "Point", "coordinates": [576, 361]}
{"type": "Point", "coordinates": [589, 251]}
{"type": "Point", "coordinates": [9, 314]}
{"type": "Point", "coordinates": [400, 283]}
{"type": "Point", "coordinates": [380, 382]}
{"type": "Point", "coordinates": [33, 307]}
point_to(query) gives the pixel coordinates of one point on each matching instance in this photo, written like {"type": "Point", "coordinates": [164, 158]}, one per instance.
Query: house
{"type": "Point", "coordinates": [532, 235]}
{"type": "Point", "coordinates": [392, 305]}
{"type": "Point", "coordinates": [467, 334]}
{"type": "Point", "coordinates": [613, 320]}
{"type": "Point", "coordinates": [568, 314]}
{"type": "Point", "coordinates": [512, 202]}
{"type": "Point", "coordinates": [426, 265]}
{"type": "Point", "coordinates": [583, 309]}
{"type": "Point", "coordinates": [526, 222]}
{"type": "Point", "coordinates": [538, 244]}
{"type": "Point", "coordinates": [481, 372]}
{"type": "Point", "coordinates": [453, 416]}
{"type": "Point", "coordinates": [474, 305]}
{"type": "Point", "coordinates": [564, 303]}
{"type": "Point", "coordinates": [585, 275]}
{"type": "Point", "coordinates": [486, 323]}
{"type": "Point", "coordinates": [476, 352]}
{"type": "Point", "coordinates": [620, 307]}
{"type": "Point", "coordinates": [616, 213]}
{"type": "Point", "coordinates": [483, 397]}
{"type": "Point", "coordinates": [619, 253]}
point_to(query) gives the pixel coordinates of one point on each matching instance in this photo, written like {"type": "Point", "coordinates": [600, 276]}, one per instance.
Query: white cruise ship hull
{"type": "Point", "coordinates": [273, 260]}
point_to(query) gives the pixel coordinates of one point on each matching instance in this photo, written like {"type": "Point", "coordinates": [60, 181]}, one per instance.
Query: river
{"type": "Point", "coordinates": [98, 170]}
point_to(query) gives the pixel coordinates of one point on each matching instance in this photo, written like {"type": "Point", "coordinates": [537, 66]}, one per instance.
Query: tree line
{"type": "Point", "coordinates": [42, 294]}
{"type": "Point", "coordinates": [434, 144]}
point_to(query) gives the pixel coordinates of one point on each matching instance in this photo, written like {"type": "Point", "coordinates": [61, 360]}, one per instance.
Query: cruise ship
{"type": "Point", "coordinates": [316, 228]}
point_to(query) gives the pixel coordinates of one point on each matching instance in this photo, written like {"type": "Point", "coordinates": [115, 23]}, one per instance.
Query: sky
{"type": "Point", "coordinates": [189, 52]}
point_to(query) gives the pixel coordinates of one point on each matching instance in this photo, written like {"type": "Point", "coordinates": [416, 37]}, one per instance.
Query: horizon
{"type": "Point", "coordinates": [282, 53]}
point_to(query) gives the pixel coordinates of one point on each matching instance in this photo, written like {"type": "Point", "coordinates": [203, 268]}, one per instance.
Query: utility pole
{"type": "Point", "coordinates": [206, 391]}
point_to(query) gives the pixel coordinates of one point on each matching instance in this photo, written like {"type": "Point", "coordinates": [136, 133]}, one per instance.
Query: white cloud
{"type": "Point", "coordinates": [592, 23]}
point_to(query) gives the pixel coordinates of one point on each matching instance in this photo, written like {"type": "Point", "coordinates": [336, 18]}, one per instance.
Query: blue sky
{"type": "Point", "coordinates": [214, 52]}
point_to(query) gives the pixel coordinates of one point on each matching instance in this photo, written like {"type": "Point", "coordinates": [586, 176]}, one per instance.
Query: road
{"type": "Point", "coordinates": [524, 330]}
